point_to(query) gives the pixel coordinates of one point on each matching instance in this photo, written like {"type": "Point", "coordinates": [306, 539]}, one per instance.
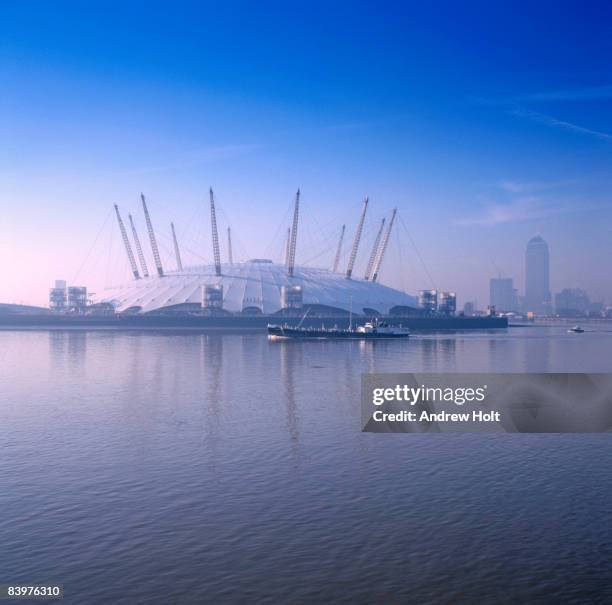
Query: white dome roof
{"type": "Point", "coordinates": [255, 283]}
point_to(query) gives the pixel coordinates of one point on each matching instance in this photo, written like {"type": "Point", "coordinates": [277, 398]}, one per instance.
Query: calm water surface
{"type": "Point", "coordinates": [190, 468]}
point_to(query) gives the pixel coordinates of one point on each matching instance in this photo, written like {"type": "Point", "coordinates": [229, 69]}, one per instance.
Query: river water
{"type": "Point", "coordinates": [220, 468]}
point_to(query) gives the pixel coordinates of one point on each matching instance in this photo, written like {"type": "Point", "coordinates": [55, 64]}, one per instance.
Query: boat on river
{"type": "Point", "coordinates": [371, 330]}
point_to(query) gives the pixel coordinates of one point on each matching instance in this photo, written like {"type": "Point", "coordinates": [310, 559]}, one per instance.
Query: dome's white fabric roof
{"type": "Point", "coordinates": [255, 284]}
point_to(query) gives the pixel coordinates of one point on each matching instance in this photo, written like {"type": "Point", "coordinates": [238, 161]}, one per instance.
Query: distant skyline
{"type": "Point", "coordinates": [484, 124]}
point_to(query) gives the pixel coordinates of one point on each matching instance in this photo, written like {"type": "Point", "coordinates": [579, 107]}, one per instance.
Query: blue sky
{"type": "Point", "coordinates": [484, 124]}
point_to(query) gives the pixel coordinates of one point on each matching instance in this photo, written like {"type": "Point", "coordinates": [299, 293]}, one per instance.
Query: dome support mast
{"type": "Point", "coordinates": [296, 213]}
{"type": "Point", "coordinates": [126, 243]}
{"type": "Point", "coordinates": [287, 246]}
{"type": "Point", "coordinates": [383, 248]}
{"type": "Point", "coordinates": [229, 246]}
{"type": "Point", "coordinates": [177, 252]}
{"type": "Point", "coordinates": [215, 234]}
{"type": "Point", "coordinates": [339, 250]}
{"type": "Point", "coordinates": [154, 247]}
{"type": "Point", "coordinates": [351, 264]}
{"type": "Point", "coordinates": [374, 251]}
{"type": "Point", "coordinates": [141, 258]}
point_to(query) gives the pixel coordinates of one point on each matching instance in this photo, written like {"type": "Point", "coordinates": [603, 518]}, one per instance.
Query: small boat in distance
{"type": "Point", "coordinates": [369, 331]}
{"type": "Point", "coordinates": [576, 330]}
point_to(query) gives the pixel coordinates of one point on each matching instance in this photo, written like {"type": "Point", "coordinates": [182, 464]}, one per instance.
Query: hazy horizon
{"type": "Point", "coordinates": [482, 125]}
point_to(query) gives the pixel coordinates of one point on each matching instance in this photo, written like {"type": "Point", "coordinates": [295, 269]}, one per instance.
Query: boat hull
{"type": "Point", "coordinates": [319, 334]}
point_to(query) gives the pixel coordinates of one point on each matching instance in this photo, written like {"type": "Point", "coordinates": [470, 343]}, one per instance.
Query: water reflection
{"type": "Point", "coordinates": [536, 353]}
{"type": "Point", "coordinates": [436, 353]}
{"type": "Point", "coordinates": [290, 358]}
{"type": "Point", "coordinates": [67, 350]}
{"type": "Point", "coordinates": [216, 374]}
{"type": "Point", "coordinates": [57, 348]}
{"type": "Point", "coordinates": [447, 353]}
{"type": "Point", "coordinates": [211, 347]}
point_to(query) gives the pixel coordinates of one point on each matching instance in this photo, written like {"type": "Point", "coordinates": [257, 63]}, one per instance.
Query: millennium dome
{"type": "Point", "coordinates": [256, 286]}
